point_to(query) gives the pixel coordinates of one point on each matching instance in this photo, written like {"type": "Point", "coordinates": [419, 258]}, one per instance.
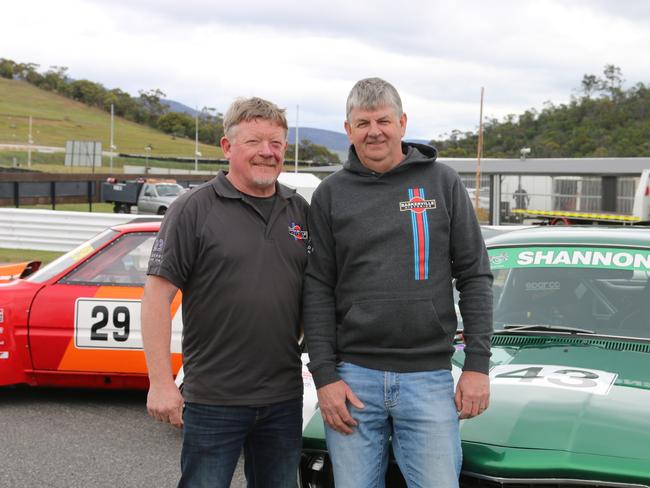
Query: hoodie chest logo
{"type": "Point", "coordinates": [417, 205]}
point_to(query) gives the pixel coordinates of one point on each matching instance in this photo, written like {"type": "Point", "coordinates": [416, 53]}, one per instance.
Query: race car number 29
{"type": "Point", "coordinates": [107, 324]}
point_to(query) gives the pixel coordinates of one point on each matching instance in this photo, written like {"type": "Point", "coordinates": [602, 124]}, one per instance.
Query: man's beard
{"type": "Point", "coordinates": [264, 181]}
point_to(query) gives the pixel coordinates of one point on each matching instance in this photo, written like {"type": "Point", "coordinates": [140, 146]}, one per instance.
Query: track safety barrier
{"type": "Point", "coordinates": [53, 230]}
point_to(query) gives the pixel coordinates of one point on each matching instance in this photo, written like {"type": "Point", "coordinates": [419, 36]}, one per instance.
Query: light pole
{"type": "Point", "coordinates": [147, 151]}
{"type": "Point", "coordinates": [297, 128]}
{"type": "Point", "coordinates": [112, 145]}
{"type": "Point", "coordinates": [30, 141]}
{"type": "Point", "coordinates": [196, 141]}
{"type": "Point", "coordinates": [197, 153]}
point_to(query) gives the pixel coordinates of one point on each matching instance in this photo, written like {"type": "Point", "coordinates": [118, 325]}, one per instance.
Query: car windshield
{"type": "Point", "coordinates": [169, 190]}
{"type": "Point", "coordinates": [123, 262]}
{"type": "Point", "coordinates": [72, 257]}
{"type": "Point", "coordinates": [604, 290]}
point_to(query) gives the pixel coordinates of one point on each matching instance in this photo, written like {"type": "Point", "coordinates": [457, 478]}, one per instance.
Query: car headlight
{"type": "Point", "coordinates": [316, 471]}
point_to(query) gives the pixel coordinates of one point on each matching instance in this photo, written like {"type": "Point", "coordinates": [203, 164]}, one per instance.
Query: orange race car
{"type": "Point", "coordinates": [13, 271]}
{"type": "Point", "coordinates": [76, 321]}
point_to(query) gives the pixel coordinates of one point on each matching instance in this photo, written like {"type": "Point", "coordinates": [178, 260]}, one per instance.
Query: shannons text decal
{"type": "Point", "coordinates": [575, 257]}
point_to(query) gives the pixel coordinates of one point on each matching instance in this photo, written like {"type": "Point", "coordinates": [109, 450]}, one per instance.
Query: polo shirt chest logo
{"type": "Point", "coordinates": [418, 205]}
{"type": "Point", "coordinates": [295, 231]}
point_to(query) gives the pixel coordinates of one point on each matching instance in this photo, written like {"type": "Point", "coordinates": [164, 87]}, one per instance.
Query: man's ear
{"type": "Point", "coordinates": [225, 147]}
{"type": "Point", "coordinates": [402, 124]}
{"type": "Point", "coordinates": [348, 130]}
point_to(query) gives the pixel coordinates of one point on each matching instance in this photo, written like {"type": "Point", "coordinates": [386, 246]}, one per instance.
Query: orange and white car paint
{"type": "Point", "coordinates": [13, 271]}
{"type": "Point", "coordinates": [59, 332]}
{"type": "Point", "coordinates": [54, 333]}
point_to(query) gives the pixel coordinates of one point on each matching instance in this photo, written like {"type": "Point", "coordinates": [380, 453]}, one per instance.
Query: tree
{"type": "Point", "coordinates": [87, 92]}
{"type": "Point", "coordinates": [27, 72]}
{"type": "Point", "coordinates": [590, 84]}
{"type": "Point", "coordinates": [7, 68]}
{"type": "Point", "coordinates": [613, 79]}
{"type": "Point", "coordinates": [177, 124]}
{"type": "Point", "coordinates": [615, 124]}
{"type": "Point", "coordinates": [55, 78]}
{"type": "Point", "coordinates": [152, 104]}
{"type": "Point", "coordinates": [313, 152]}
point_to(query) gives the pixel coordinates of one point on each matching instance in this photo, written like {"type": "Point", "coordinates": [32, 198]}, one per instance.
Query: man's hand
{"type": "Point", "coordinates": [472, 394]}
{"type": "Point", "coordinates": [166, 404]}
{"type": "Point", "coordinates": [332, 401]}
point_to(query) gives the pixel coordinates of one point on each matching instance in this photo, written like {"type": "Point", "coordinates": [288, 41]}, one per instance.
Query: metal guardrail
{"type": "Point", "coordinates": [49, 230]}
{"type": "Point", "coordinates": [55, 230]}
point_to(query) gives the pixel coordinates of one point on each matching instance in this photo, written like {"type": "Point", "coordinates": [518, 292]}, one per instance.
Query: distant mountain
{"type": "Point", "coordinates": [334, 141]}
{"type": "Point", "coordinates": [417, 141]}
{"type": "Point", "coordinates": [179, 107]}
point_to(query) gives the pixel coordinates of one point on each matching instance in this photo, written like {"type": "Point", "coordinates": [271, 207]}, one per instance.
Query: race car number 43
{"type": "Point", "coordinates": [107, 324]}
{"type": "Point", "coordinates": [565, 377]}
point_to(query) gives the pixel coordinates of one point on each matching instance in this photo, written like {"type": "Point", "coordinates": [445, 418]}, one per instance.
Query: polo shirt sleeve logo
{"type": "Point", "coordinates": [297, 233]}
{"type": "Point", "coordinates": [156, 257]}
{"type": "Point", "coordinates": [417, 205]}
{"type": "Point", "coordinates": [158, 245]}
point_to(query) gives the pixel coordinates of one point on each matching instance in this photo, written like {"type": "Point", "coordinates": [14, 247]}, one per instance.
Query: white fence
{"type": "Point", "coordinates": [50, 230]}
{"type": "Point", "coordinates": [54, 230]}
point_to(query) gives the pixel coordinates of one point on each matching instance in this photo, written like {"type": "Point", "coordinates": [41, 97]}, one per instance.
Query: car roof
{"type": "Point", "coordinates": [140, 224]}
{"type": "Point", "coordinates": [592, 235]}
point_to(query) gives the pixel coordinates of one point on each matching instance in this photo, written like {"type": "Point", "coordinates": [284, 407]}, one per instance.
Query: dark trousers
{"type": "Point", "coordinates": [213, 437]}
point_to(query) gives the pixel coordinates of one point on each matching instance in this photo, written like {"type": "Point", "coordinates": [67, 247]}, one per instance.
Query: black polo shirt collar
{"type": "Point", "coordinates": [225, 189]}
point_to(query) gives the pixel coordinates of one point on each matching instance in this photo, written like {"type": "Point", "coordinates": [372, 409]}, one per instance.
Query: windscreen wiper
{"type": "Point", "coordinates": [544, 327]}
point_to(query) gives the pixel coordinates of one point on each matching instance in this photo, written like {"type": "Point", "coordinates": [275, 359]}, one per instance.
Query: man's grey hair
{"type": "Point", "coordinates": [372, 93]}
{"type": "Point", "coordinates": [247, 109]}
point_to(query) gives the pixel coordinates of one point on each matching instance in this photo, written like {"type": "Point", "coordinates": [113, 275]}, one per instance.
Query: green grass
{"type": "Point", "coordinates": [54, 163]}
{"type": "Point", "coordinates": [56, 119]}
{"type": "Point", "coordinates": [74, 207]}
{"type": "Point", "coordinates": [19, 255]}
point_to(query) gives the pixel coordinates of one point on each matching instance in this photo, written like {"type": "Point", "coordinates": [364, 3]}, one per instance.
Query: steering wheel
{"type": "Point", "coordinates": [633, 324]}
{"type": "Point", "coordinates": [535, 315]}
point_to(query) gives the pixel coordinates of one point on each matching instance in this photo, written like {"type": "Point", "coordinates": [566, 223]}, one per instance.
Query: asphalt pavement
{"type": "Point", "coordinates": [69, 438]}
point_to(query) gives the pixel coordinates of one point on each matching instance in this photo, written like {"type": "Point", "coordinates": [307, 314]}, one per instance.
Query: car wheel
{"type": "Point", "coordinates": [162, 210]}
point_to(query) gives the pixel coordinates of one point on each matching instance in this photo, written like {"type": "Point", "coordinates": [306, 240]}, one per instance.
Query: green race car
{"type": "Point", "coordinates": [570, 367]}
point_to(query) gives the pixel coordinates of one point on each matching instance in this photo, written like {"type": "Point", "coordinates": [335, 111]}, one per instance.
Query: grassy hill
{"type": "Point", "coordinates": [56, 119]}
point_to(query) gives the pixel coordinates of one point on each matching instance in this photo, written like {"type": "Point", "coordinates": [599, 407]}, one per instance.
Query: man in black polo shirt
{"type": "Point", "coordinates": [236, 248]}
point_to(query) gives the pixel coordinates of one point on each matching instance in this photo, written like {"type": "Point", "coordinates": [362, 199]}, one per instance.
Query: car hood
{"type": "Point", "coordinates": [581, 396]}
{"type": "Point", "coordinates": [610, 419]}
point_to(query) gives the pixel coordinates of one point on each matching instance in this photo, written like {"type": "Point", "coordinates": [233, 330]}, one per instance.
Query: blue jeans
{"type": "Point", "coordinates": [213, 437]}
{"type": "Point", "coordinates": [414, 410]}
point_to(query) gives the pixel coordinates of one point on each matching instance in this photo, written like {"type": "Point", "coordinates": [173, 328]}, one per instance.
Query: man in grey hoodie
{"type": "Point", "coordinates": [389, 232]}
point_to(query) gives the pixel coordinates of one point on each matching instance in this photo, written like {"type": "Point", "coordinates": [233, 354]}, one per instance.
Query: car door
{"type": "Point", "coordinates": [89, 320]}
{"type": "Point", "coordinates": [147, 202]}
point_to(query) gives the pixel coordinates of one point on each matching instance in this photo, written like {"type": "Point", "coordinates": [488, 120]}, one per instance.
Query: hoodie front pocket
{"type": "Point", "coordinates": [391, 323]}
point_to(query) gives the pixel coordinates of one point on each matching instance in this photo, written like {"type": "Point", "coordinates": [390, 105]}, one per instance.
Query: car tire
{"type": "Point", "coordinates": [162, 210]}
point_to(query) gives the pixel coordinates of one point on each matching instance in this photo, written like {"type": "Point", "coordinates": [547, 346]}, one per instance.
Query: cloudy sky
{"type": "Point", "coordinates": [437, 53]}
